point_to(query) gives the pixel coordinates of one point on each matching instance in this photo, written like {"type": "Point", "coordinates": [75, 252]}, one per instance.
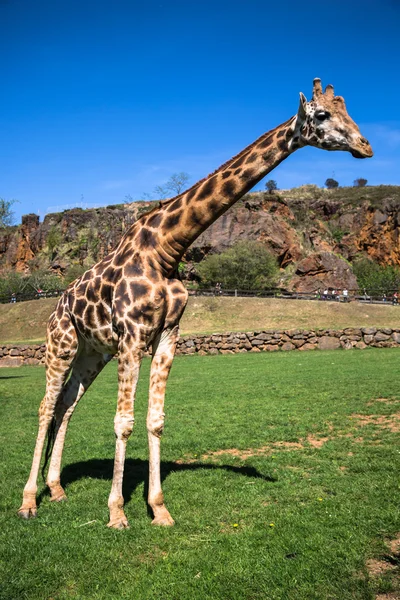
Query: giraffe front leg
{"type": "Point", "coordinates": [163, 355]}
{"type": "Point", "coordinates": [128, 372]}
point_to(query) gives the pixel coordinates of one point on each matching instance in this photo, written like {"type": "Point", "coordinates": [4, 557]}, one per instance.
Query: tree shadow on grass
{"type": "Point", "coordinates": [136, 472]}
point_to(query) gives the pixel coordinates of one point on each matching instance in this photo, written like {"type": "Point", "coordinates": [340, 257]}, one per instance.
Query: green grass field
{"type": "Point", "coordinates": [281, 471]}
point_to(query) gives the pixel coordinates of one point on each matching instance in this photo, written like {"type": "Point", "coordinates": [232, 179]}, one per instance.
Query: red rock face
{"type": "Point", "coordinates": [20, 248]}
{"type": "Point", "coordinates": [379, 236]}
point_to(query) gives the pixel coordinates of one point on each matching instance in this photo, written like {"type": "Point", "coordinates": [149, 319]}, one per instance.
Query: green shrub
{"type": "Point", "coordinates": [245, 266]}
{"type": "Point", "coordinates": [73, 272]}
{"type": "Point", "coordinates": [337, 233]}
{"type": "Point", "coordinates": [53, 239]}
{"type": "Point", "coordinates": [44, 280]}
{"type": "Point", "coordinates": [374, 277]}
{"type": "Point", "coordinates": [12, 283]}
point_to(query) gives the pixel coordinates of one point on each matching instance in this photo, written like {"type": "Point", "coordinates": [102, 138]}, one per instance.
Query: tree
{"type": "Point", "coordinates": [53, 240]}
{"type": "Point", "coordinates": [271, 186]}
{"type": "Point", "coordinates": [374, 277]}
{"type": "Point", "coordinates": [12, 282]}
{"type": "Point", "coordinates": [174, 186]}
{"type": "Point", "coordinates": [245, 266]}
{"type": "Point", "coordinates": [360, 182]}
{"type": "Point", "coordinates": [6, 214]}
{"type": "Point", "coordinates": [331, 184]}
{"type": "Point", "coordinates": [42, 279]}
{"type": "Point", "coordinates": [73, 272]}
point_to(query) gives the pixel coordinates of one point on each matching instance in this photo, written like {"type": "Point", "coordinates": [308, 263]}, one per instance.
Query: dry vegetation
{"type": "Point", "coordinates": [26, 321]}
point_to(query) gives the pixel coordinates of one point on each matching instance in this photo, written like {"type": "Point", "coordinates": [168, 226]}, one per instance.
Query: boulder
{"type": "Point", "coordinates": [368, 330]}
{"type": "Point", "coordinates": [381, 337]}
{"type": "Point", "coordinates": [322, 270]}
{"type": "Point", "coordinates": [360, 345]}
{"type": "Point", "coordinates": [308, 346]}
{"type": "Point", "coordinates": [328, 343]}
{"type": "Point", "coordinates": [287, 346]}
{"type": "Point", "coordinates": [396, 337]}
{"type": "Point", "coordinates": [11, 361]}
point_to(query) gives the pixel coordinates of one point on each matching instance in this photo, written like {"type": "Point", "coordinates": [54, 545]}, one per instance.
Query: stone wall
{"type": "Point", "coordinates": [252, 341]}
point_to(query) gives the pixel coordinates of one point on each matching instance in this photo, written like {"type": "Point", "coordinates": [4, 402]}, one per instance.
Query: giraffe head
{"type": "Point", "coordinates": [324, 123]}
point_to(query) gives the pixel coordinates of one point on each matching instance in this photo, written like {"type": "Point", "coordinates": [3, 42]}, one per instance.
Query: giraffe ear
{"type": "Point", "coordinates": [302, 106]}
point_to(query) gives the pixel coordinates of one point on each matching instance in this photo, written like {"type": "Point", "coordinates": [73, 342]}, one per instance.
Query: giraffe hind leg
{"type": "Point", "coordinates": [84, 371]}
{"type": "Point", "coordinates": [61, 350]}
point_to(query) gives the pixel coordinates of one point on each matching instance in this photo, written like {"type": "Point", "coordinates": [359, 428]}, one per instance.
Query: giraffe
{"type": "Point", "coordinates": [133, 300]}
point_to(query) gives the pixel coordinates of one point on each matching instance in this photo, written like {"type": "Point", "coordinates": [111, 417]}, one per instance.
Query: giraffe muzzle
{"type": "Point", "coordinates": [362, 149]}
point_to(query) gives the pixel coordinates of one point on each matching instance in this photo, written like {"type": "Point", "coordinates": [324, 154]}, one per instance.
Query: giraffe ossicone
{"type": "Point", "coordinates": [133, 299]}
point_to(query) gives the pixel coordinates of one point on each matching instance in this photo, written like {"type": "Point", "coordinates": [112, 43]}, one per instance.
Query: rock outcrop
{"type": "Point", "coordinates": [322, 270]}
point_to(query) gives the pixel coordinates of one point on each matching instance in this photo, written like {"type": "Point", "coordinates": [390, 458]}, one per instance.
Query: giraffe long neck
{"type": "Point", "coordinates": [181, 220]}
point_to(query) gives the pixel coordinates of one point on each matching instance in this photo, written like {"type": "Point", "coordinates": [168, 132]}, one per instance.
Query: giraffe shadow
{"type": "Point", "coordinates": [136, 472]}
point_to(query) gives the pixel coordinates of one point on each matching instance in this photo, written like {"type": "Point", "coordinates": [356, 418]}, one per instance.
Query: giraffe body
{"type": "Point", "coordinates": [132, 299]}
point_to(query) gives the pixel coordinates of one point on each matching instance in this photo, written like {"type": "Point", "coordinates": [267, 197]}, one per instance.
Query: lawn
{"type": "Point", "coordinates": [280, 469]}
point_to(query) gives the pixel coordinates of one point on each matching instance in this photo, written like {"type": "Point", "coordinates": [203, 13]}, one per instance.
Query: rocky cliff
{"type": "Point", "coordinates": [313, 232]}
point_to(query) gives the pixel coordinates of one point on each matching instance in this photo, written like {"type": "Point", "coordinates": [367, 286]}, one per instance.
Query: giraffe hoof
{"type": "Point", "coordinates": [61, 498]}
{"type": "Point", "coordinates": [27, 513]}
{"type": "Point", "coordinates": [119, 524]}
{"type": "Point", "coordinates": [163, 521]}
{"type": "Point", "coordinates": [57, 492]}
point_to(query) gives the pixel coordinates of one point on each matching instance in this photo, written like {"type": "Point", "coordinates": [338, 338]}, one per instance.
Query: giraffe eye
{"type": "Point", "coordinates": [322, 115]}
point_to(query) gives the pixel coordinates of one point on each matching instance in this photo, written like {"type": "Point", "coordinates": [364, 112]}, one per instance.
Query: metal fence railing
{"type": "Point", "coordinates": [31, 295]}
{"type": "Point", "coordinates": [375, 297]}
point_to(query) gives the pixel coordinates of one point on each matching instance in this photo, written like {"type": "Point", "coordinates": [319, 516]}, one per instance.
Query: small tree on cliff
{"type": "Point", "coordinates": [6, 214]}
{"type": "Point", "coordinates": [271, 186]}
{"type": "Point", "coordinates": [245, 266]}
{"type": "Point", "coordinates": [360, 182]}
{"type": "Point", "coordinates": [174, 186]}
{"type": "Point", "coordinates": [331, 183]}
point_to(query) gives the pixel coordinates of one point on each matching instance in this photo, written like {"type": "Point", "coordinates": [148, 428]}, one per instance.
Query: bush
{"type": "Point", "coordinates": [331, 184]}
{"type": "Point", "coordinates": [73, 272]}
{"type": "Point", "coordinates": [245, 266]}
{"type": "Point", "coordinates": [53, 240]}
{"type": "Point", "coordinates": [44, 280]}
{"type": "Point", "coordinates": [376, 278]}
{"type": "Point", "coordinates": [12, 283]}
{"type": "Point", "coordinates": [337, 232]}
{"type": "Point", "coordinates": [41, 279]}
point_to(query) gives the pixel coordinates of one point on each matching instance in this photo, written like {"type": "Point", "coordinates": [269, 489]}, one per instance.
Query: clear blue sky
{"type": "Point", "coordinates": [104, 99]}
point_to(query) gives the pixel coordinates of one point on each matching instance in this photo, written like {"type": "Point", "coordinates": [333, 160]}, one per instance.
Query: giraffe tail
{"type": "Point", "coordinates": [51, 436]}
